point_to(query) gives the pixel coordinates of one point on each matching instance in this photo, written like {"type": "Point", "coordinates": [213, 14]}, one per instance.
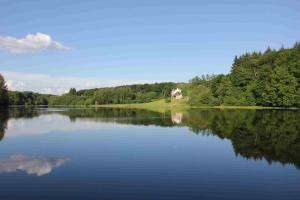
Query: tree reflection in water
{"type": "Point", "coordinates": [273, 135]}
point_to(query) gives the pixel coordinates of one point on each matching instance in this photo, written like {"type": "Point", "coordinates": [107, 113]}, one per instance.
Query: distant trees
{"type": "Point", "coordinates": [202, 80]}
{"type": "Point", "coordinates": [138, 93]}
{"type": "Point", "coordinates": [3, 92]}
{"type": "Point", "coordinates": [27, 98]}
{"type": "Point", "coordinates": [72, 91]}
{"type": "Point", "coordinates": [66, 100]}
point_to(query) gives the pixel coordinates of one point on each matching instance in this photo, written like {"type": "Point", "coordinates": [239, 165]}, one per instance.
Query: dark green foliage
{"type": "Point", "coordinates": [139, 93]}
{"type": "Point", "coordinates": [271, 78]}
{"type": "Point", "coordinates": [203, 80]}
{"type": "Point", "coordinates": [72, 91]}
{"type": "Point", "coordinates": [268, 79]}
{"type": "Point", "coordinates": [200, 93]}
{"type": "Point", "coordinates": [279, 90]}
{"type": "Point", "coordinates": [3, 93]}
{"type": "Point", "coordinates": [27, 98]}
{"type": "Point", "coordinates": [66, 100]}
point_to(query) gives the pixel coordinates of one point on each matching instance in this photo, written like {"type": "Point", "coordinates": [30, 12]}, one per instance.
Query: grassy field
{"type": "Point", "coordinates": [162, 106]}
{"type": "Point", "coordinates": [158, 106]}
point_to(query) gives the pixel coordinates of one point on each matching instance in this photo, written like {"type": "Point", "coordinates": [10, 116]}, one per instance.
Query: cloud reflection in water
{"type": "Point", "coordinates": [37, 165]}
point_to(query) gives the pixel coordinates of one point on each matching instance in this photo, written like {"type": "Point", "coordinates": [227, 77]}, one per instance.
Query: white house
{"type": "Point", "coordinates": [176, 93]}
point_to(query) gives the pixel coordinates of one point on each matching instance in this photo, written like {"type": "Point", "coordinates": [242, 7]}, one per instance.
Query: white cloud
{"type": "Point", "coordinates": [41, 83]}
{"type": "Point", "coordinates": [30, 44]}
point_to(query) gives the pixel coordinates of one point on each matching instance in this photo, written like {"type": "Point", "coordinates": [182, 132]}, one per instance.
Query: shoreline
{"type": "Point", "coordinates": [162, 105]}
{"type": "Point", "coordinates": [159, 105]}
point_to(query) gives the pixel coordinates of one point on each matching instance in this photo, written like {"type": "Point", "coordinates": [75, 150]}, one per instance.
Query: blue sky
{"type": "Point", "coordinates": [113, 42]}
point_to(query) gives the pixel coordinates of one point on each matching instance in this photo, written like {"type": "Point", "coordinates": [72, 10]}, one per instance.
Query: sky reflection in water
{"type": "Point", "coordinates": [127, 154]}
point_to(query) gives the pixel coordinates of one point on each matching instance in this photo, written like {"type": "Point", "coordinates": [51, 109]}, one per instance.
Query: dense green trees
{"type": "Point", "coordinates": [66, 100]}
{"type": "Point", "coordinates": [72, 91]}
{"type": "Point", "coordinates": [3, 93]}
{"type": "Point", "coordinates": [27, 98]}
{"type": "Point", "coordinates": [271, 78]}
{"type": "Point", "coordinates": [138, 93]}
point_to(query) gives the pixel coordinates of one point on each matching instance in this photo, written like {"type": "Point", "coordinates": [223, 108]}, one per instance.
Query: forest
{"type": "Point", "coordinates": [138, 93]}
{"type": "Point", "coordinates": [270, 78]}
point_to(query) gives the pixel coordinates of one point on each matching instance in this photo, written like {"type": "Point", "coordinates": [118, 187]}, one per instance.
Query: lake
{"type": "Point", "coordinates": [63, 153]}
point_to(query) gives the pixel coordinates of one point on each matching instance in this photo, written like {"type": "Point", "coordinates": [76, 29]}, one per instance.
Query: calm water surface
{"type": "Point", "coordinates": [138, 154]}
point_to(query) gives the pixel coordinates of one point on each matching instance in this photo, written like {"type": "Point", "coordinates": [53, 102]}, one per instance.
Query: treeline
{"type": "Point", "coordinates": [271, 78]}
{"type": "Point", "coordinates": [3, 93]}
{"type": "Point", "coordinates": [20, 98]}
{"type": "Point", "coordinates": [138, 93]}
{"type": "Point", "coordinates": [27, 98]}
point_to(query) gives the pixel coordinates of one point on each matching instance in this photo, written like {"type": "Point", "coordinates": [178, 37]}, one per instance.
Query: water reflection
{"type": "Point", "coordinates": [273, 135]}
{"type": "Point", "coordinates": [270, 134]}
{"type": "Point", "coordinates": [53, 122]}
{"type": "Point", "coordinates": [30, 164]}
{"type": "Point", "coordinates": [176, 117]}
{"type": "Point", "coordinates": [3, 122]}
